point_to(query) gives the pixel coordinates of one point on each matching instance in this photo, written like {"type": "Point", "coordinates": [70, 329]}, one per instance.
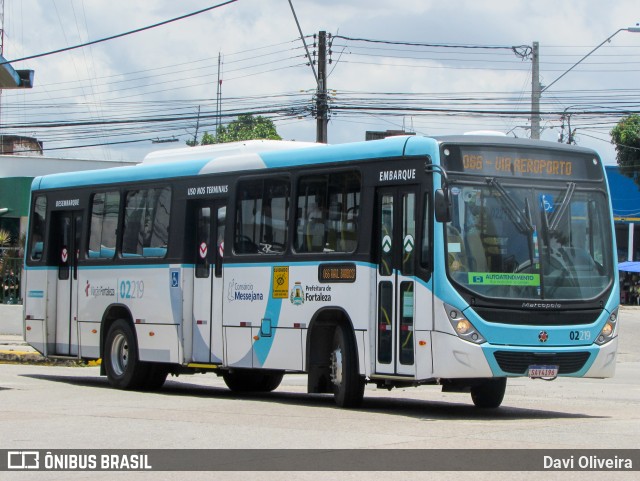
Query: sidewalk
{"type": "Point", "coordinates": [14, 349]}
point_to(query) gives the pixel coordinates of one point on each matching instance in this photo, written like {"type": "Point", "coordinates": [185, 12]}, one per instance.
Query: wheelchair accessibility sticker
{"type": "Point", "coordinates": [546, 203]}
{"type": "Point", "coordinates": [175, 278]}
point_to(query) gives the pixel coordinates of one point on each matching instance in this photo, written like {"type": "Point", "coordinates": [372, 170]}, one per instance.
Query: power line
{"type": "Point", "coordinates": [304, 42]}
{"type": "Point", "coordinates": [522, 51]}
{"type": "Point", "coordinates": [119, 35]}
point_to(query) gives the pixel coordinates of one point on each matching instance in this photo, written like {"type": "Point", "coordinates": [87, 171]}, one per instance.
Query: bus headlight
{"type": "Point", "coordinates": [609, 330]}
{"type": "Point", "coordinates": [463, 327]}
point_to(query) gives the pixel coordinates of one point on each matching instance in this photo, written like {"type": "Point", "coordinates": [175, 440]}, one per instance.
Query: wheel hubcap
{"type": "Point", "coordinates": [119, 354]}
{"type": "Point", "coordinates": [336, 367]}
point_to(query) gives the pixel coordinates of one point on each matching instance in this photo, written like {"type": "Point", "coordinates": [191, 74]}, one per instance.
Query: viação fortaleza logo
{"type": "Point", "coordinates": [98, 291]}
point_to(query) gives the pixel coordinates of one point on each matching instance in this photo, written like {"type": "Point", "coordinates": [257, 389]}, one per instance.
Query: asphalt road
{"type": "Point", "coordinates": [54, 407]}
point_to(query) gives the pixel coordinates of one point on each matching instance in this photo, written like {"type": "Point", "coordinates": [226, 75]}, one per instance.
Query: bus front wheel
{"type": "Point", "coordinates": [489, 394]}
{"type": "Point", "coordinates": [122, 364]}
{"type": "Point", "coordinates": [348, 385]}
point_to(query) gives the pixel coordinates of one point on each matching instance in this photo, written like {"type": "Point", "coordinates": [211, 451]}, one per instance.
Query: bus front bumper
{"type": "Point", "coordinates": [456, 358]}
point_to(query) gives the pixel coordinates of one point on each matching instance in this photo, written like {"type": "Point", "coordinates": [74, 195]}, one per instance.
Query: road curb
{"type": "Point", "coordinates": [9, 356]}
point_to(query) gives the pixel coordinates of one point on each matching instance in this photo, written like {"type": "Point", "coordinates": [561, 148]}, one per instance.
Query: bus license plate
{"type": "Point", "coordinates": [536, 372]}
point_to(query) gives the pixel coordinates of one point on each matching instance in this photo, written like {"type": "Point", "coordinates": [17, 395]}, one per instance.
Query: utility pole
{"type": "Point", "coordinates": [1, 54]}
{"type": "Point", "coordinates": [195, 136]}
{"type": "Point", "coordinates": [322, 107]}
{"type": "Point", "coordinates": [535, 92]}
{"type": "Point", "coordinates": [219, 95]}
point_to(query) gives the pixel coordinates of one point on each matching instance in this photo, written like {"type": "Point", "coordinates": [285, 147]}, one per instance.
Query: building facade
{"type": "Point", "coordinates": [16, 175]}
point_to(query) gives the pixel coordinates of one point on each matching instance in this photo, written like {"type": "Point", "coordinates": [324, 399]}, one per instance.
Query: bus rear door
{"type": "Point", "coordinates": [207, 283]}
{"type": "Point", "coordinates": [66, 236]}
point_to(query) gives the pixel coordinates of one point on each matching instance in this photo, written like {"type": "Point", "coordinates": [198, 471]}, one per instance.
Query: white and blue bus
{"type": "Point", "coordinates": [455, 261]}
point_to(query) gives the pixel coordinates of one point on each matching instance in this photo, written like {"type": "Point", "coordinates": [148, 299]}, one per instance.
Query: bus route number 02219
{"type": "Point", "coordinates": [580, 335]}
{"type": "Point", "coordinates": [131, 289]}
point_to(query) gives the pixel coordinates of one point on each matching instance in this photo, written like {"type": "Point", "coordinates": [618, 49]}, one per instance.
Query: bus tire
{"type": "Point", "coordinates": [156, 377]}
{"type": "Point", "coordinates": [121, 361]}
{"type": "Point", "coordinates": [489, 394]}
{"type": "Point", "coordinates": [348, 385]}
{"type": "Point", "coordinates": [252, 380]}
{"type": "Point", "coordinates": [270, 381]}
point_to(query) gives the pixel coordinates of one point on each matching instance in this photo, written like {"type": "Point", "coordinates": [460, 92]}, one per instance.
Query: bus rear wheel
{"type": "Point", "coordinates": [156, 377]}
{"type": "Point", "coordinates": [489, 394]}
{"type": "Point", "coordinates": [348, 385]}
{"type": "Point", "coordinates": [122, 364]}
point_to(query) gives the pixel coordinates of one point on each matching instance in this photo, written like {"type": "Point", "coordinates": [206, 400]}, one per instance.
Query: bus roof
{"type": "Point", "coordinates": [214, 151]}
{"type": "Point", "coordinates": [210, 161]}
{"type": "Point", "coordinates": [271, 155]}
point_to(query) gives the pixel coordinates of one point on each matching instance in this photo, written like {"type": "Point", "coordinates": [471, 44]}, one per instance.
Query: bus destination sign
{"type": "Point", "coordinates": [522, 163]}
{"type": "Point", "coordinates": [337, 272]}
{"type": "Point", "coordinates": [518, 165]}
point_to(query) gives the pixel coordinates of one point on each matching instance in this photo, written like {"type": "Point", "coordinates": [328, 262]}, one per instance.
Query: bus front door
{"type": "Point", "coordinates": [207, 283]}
{"type": "Point", "coordinates": [395, 258]}
{"type": "Point", "coordinates": [66, 236]}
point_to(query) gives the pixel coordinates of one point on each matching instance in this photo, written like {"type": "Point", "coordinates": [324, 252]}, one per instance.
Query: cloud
{"type": "Point", "coordinates": [173, 69]}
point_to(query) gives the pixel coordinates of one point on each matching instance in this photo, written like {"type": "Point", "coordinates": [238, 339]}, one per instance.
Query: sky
{"type": "Point", "coordinates": [423, 77]}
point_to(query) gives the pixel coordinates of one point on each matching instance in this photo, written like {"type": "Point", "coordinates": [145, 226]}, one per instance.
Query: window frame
{"type": "Point", "coordinates": [304, 225]}
{"type": "Point", "coordinates": [42, 224]}
{"type": "Point", "coordinates": [90, 230]}
{"type": "Point", "coordinates": [149, 233]}
{"type": "Point", "coordinates": [264, 213]}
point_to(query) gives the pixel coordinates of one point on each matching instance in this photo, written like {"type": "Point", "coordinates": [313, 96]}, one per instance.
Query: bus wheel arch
{"type": "Point", "coordinates": [119, 350]}
{"type": "Point", "coordinates": [332, 357]}
{"type": "Point", "coordinates": [111, 315]}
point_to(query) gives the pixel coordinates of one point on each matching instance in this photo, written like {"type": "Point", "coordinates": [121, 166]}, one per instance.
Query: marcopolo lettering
{"type": "Point", "coordinates": [398, 174]}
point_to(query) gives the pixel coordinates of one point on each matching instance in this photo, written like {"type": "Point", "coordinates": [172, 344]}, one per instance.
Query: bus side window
{"type": "Point", "coordinates": [262, 214]}
{"type": "Point", "coordinates": [327, 213]}
{"type": "Point", "coordinates": [104, 222]}
{"type": "Point", "coordinates": [38, 223]}
{"type": "Point", "coordinates": [146, 223]}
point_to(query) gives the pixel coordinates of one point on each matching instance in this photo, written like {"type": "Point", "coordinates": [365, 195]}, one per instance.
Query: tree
{"type": "Point", "coordinates": [5, 238]}
{"type": "Point", "coordinates": [626, 137]}
{"type": "Point", "coordinates": [246, 127]}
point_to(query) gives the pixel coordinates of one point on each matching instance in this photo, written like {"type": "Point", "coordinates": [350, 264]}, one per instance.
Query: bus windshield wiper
{"type": "Point", "coordinates": [515, 214]}
{"type": "Point", "coordinates": [555, 220]}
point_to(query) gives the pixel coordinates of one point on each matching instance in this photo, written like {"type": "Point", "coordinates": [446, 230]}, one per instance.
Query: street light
{"type": "Point", "coordinates": [634, 29]}
{"type": "Point", "coordinates": [536, 90]}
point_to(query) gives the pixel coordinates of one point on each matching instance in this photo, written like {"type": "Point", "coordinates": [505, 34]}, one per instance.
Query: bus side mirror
{"type": "Point", "coordinates": [442, 204]}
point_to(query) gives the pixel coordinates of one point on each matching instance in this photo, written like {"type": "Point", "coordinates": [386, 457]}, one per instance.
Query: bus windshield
{"type": "Point", "coordinates": [544, 242]}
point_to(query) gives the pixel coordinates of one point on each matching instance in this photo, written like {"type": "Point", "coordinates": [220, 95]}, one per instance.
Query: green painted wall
{"type": "Point", "coordinates": [14, 194]}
